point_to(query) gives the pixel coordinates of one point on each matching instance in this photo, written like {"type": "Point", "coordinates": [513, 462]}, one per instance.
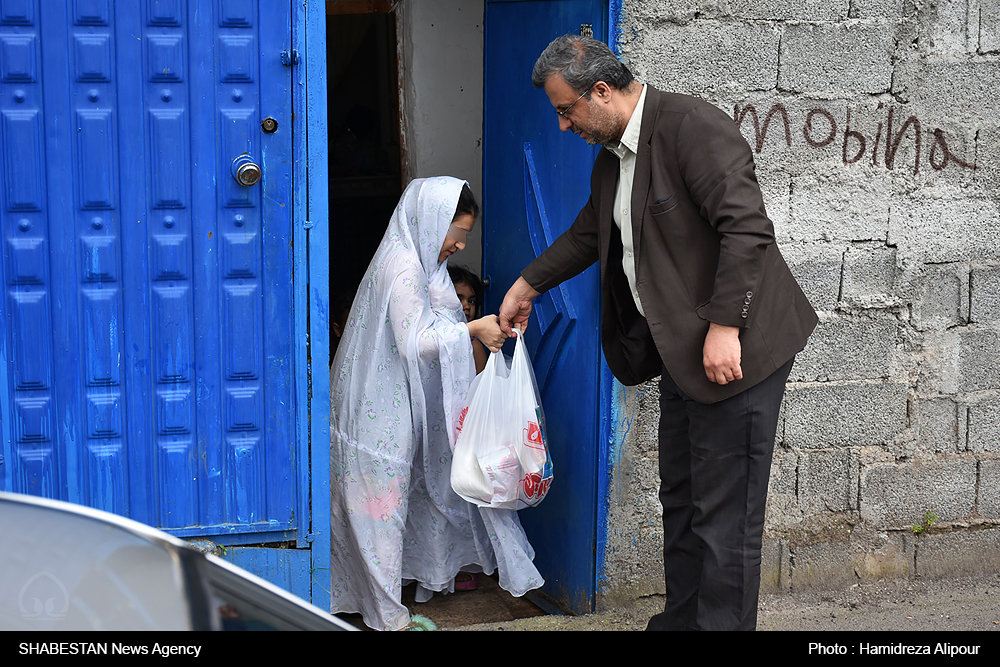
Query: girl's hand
{"type": "Point", "coordinates": [487, 330]}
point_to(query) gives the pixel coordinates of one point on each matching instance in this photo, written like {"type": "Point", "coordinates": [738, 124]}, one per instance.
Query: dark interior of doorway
{"type": "Point", "coordinates": [364, 148]}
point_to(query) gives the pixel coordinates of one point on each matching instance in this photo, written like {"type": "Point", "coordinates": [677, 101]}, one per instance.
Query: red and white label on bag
{"type": "Point", "coordinates": [533, 436]}
{"type": "Point", "coordinates": [461, 419]}
{"type": "Point", "coordinates": [534, 486]}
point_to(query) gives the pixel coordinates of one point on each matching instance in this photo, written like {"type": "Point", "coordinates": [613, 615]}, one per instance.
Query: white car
{"type": "Point", "coordinates": [69, 567]}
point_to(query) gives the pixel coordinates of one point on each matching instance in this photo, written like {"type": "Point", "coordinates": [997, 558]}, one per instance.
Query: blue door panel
{"type": "Point", "coordinates": [146, 361]}
{"type": "Point", "coordinates": [536, 179]}
{"type": "Point", "coordinates": [287, 568]}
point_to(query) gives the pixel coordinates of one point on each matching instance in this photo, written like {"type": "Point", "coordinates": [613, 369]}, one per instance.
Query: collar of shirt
{"type": "Point", "coordinates": [630, 138]}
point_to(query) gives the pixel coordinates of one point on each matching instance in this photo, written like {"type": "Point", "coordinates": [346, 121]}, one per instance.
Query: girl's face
{"type": "Point", "coordinates": [468, 298]}
{"type": "Point", "coordinates": [451, 246]}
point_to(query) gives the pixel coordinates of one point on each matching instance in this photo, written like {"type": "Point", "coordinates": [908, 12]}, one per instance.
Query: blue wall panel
{"type": "Point", "coordinates": [147, 357]}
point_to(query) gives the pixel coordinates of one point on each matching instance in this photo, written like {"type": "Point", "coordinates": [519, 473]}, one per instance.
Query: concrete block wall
{"type": "Point", "coordinates": [875, 126]}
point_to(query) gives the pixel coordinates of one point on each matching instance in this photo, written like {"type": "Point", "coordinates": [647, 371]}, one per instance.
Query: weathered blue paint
{"type": "Point", "coordinates": [154, 341]}
{"type": "Point", "coordinates": [616, 14]}
{"type": "Point", "coordinates": [287, 568]}
{"type": "Point", "coordinates": [622, 412]}
{"type": "Point", "coordinates": [313, 199]}
{"type": "Point", "coordinates": [609, 448]}
{"type": "Point", "coordinates": [535, 181]}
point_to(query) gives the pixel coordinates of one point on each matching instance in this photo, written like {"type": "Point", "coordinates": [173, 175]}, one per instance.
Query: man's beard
{"type": "Point", "coordinates": [607, 128]}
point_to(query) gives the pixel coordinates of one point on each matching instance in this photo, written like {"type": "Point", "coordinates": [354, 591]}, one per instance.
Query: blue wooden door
{"type": "Point", "coordinates": [536, 179]}
{"type": "Point", "coordinates": [146, 355]}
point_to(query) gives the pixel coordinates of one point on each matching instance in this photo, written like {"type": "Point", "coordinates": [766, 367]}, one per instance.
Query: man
{"type": "Point", "coordinates": [694, 290]}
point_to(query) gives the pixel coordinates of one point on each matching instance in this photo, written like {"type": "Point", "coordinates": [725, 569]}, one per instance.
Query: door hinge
{"type": "Point", "coordinates": [289, 57]}
{"type": "Point", "coordinates": [307, 225]}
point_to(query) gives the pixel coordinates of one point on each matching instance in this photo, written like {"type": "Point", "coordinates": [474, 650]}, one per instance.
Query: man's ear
{"type": "Point", "coordinates": [602, 91]}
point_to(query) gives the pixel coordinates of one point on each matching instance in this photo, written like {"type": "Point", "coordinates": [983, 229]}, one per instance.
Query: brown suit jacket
{"type": "Point", "coordinates": [704, 248]}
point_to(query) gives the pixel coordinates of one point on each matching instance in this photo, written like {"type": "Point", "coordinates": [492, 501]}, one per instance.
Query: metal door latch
{"type": "Point", "coordinates": [289, 57]}
{"type": "Point", "coordinates": [246, 171]}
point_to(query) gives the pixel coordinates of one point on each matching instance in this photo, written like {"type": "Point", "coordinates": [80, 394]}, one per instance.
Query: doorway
{"type": "Point", "coordinates": [450, 76]}
{"type": "Point", "coordinates": [364, 153]}
{"type": "Point", "coordinates": [404, 101]}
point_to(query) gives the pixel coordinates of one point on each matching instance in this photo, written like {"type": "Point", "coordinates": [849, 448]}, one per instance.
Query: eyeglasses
{"type": "Point", "coordinates": [566, 110]}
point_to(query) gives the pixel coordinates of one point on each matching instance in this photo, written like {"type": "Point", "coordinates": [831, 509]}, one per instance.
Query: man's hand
{"type": "Point", "coordinates": [721, 354]}
{"type": "Point", "coordinates": [516, 306]}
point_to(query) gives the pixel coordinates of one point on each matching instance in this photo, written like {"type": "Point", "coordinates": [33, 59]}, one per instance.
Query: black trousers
{"type": "Point", "coordinates": [715, 464]}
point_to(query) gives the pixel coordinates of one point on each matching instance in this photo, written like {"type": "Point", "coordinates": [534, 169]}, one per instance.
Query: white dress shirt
{"type": "Point", "coordinates": [627, 151]}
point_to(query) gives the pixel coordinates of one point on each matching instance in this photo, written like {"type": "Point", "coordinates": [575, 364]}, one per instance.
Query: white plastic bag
{"type": "Point", "coordinates": [501, 459]}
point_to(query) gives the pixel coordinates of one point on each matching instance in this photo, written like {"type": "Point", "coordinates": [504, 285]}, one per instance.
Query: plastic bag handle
{"type": "Point", "coordinates": [491, 363]}
{"type": "Point", "coordinates": [519, 335]}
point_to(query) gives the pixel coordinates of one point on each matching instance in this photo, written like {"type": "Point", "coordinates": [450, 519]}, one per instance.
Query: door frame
{"type": "Point", "coordinates": [614, 424]}
{"type": "Point", "coordinates": [312, 295]}
{"type": "Point", "coordinates": [312, 299]}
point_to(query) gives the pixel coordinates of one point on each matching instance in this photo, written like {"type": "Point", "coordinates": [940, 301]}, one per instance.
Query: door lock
{"type": "Point", "coordinates": [246, 171]}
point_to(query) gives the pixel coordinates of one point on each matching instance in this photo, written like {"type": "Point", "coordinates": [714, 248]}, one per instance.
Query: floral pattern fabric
{"type": "Point", "coordinates": [399, 383]}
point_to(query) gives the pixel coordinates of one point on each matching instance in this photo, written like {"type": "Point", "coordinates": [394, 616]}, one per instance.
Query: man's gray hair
{"type": "Point", "coordinates": [582, 62]}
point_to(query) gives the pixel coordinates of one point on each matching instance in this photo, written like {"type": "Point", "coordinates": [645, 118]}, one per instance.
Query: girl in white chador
{"type": "Point", "coordinates": [398, 388]}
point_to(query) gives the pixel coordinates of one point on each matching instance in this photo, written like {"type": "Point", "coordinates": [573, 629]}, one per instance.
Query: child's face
{"type": "Point", "coordinates": [468, 298]}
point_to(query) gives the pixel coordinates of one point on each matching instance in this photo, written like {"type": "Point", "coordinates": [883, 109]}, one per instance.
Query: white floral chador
{"type": "Point", "coordinates": [398, 386]}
